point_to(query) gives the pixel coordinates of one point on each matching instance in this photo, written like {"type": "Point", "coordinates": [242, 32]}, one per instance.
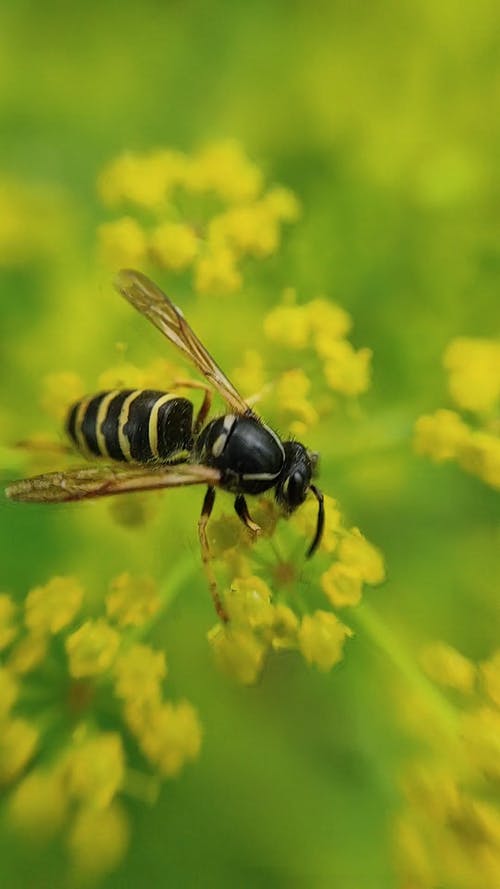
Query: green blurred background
{"type": "Point", "coordinates": [383, 117]}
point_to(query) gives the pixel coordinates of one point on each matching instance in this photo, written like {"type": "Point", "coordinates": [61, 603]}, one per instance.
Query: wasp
{"type": "Point", "coordinates": [160, 444]}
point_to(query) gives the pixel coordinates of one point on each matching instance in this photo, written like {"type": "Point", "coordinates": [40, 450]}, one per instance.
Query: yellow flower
{"type": "Point", "coordinates": [282, 203]}
{"type": "Point", "coordinates": [60, 391]}
{"type": "Point", "coordinates": [285, 628]}
{"type": "Point", "coordinates": [291, 390]}
{"type": "Point", "coordinates": [143, 179]}
{"type": "Point", "coordinates": [288, 324]}
{"type": "Point", "coordinates": [440, 435]}
{"type": "Point", "coordinates": [139, 672]}
{"type": "Point", "coordinates": [216, 271]}
{"type": "Point", "coordinates": [248, 230]}
{"type": "Point", "coordinates": [342, 584]}
{"type": "Point", "coordinates": [95, 769]}
{"type": "Point", "coordinates": [250, 377]}
{"type": "Point", "coordinates": [356, 551]}
{"type": "Point", "coordinates": [305, 521]}
{"type": "Point", "coordinates": [8, 629]}
{"type": "Point", "coordinates": [171, 736]}
{"type": "Point", "coordinates": [92, 648]}
{"type": "Point", "coordinates": [9, 691]}
{"type": "Point", "coordinates": [238, 652]}
{"type": "Point", "coordinates": [132, 600]}
{"type": "Point", "coordinates": [18, 742]}
{"type": "Point", "coordinates": [447, 667]}
{"type": "Point", "coordinates": [321, 639]}
{"type": "Point", "coordinates": [37, 806]}
{"type": "Point", "coordinates": [479, 454]}
{"type": "Point", "coordinates": [473, 367]}
{"type": "Point", "coordinates": [490, 672]}
{"type": "Point", "coordinates": [480, 729]}
{"type": "Point", "coordinates": [328, 323]}
{"type": "Point", "coordinates": [224, 169]}
{"type": "Point", "coordinates": [50, 608]}
{"type": "Point", "coordinates": [28, 653]}
{"type": "Point", "coordinates": [347, 370]}
{"type": "Point", "coordinates": [174, 245]}
{"type": "Point", "coordinates": [122, 243]}
{"type": "Point", "coordinates": [98, 839]}
{"type": "Point", "coordinates": [248, 602]}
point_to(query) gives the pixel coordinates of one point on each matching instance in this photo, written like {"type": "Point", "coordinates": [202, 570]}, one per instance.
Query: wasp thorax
{"type": "Point", "coordinates": [295, 477]}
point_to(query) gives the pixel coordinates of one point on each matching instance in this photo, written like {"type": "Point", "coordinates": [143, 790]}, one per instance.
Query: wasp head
{"type": "Point", "coordinates": [295, 481]}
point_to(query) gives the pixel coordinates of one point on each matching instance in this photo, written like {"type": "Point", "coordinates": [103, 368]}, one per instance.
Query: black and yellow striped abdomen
{"type": "Point", "coordinates": [136, 425]}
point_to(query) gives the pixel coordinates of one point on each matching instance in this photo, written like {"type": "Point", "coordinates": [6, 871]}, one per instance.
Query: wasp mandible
{"type": "Point", "coordinates": [163, 446]}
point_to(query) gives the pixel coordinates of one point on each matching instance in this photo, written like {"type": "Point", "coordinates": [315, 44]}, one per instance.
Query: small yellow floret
{"type": "Point", "coordinates": [250, 378]}
{"type": "Point", "coordinates": [28, 653]}
{"type": "Point", "coordinates": [490, 672]}
{"type": "Point", "coordinates": [347, 370]}
{"type": "Point", "coordinates": [305, 519]}
{"type": "Point", "coordinates": [18, 742]}
{"type": "Point", "coordinates": [328, 323]}
{"type": "Point", "coordinates": [238, 653]}
{"type": "Point", "coordinates": [92, 649]}
{"type": "Point", "coordinates": [473, 366]}
{"type": "Point", "coordinates": [248, 230]}
{"type": "Point", "coordinates": [98, 839]}
{"type": "Point", "coordinates": [171, 736]}
{"type": "Point", "coordinates": [357, 552]}
{"type": "Point", "coordinates": [440, 435]}
{"type": "Point", "coordinates": [50, 608]}
{"type": "Point", "coordinates": [37, 806]}
{"type": "Point", "coordinates": [321, 639]}
{"type": "Point", "coordinates": [480, 455]}
{"type": "Point", "coordinates": [60, 391]}
{"type": "Point", "coordinates": [282, 203]}
{"type": "Point", "coordinates": [132, 601]}
{"type": "Point", "coordinates": [95, 769]}
{"type": "Point", "coordinates": [216, 271]}
{"type": "Point", "coordinates": [480, 729]}
{"type": "Point", "coordinates": [143, 179]}
{"type": "Point", "coordinates": [248, 603]}
{"type": "Point", "coordinates": [285, 628]}
{"type": "Point", "coordinates": [139, 672]}
{"type": "Point", "coordinates": [122, 243]}
{"type": "Point", "coordinates": [342, 584]}
{"type": "Point", "coordinates": [224, 168]}
{"type": "Point", "coordinates": [174, 245]}
{"type": "Point", "coordinates": [447, 667]}
{"type": "Point", "coordinates": [9, 690]}
{"type": "Point", "coordinates": [8, 628]}
{"type": "Point", "coordinates": [288, 325]}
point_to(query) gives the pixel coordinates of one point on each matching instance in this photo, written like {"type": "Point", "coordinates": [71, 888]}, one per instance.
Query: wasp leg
{"type": "Point", "coordinates": [241, 508]}
{"type": "Point", "coordinates": [206, 511]}
{"type": "Point", "coordinates": [205, 405]}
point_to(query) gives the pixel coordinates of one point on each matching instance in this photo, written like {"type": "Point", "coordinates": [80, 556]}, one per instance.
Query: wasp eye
{"type": "Point", "coordinates": [295, 489]}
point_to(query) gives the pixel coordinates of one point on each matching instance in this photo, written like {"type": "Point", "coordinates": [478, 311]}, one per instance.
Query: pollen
{"type": "Point", "coordinates": [122, 242]}
{"type": "Point", "coordinates": [132, 601]}
{"type": "Point", "coordinates": [92, 648]}
{"type": "Point", "coordinates": [321, 639]}
{"type": "Point", "coordinates": [174, 245]}
{"type": "Point", "coordinates": [50, 608]}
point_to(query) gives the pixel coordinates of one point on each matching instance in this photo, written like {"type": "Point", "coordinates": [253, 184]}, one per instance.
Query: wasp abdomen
{"type": "Point", "coordinates": [136, 425]}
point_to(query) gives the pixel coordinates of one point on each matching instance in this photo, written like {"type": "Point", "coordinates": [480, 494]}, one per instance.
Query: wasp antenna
{"type": "Point", "coordinates": [320, 523]}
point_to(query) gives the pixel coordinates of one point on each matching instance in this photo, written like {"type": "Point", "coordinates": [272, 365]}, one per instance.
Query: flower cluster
{"type": "Point", "coordinates": [83, 716]}
{"type": "Point", "coordinates": [204, 211]}
{"type": "Point", "coordinates": [449, 832]}
{"type": "Point", "coordinates": [279, 613]}
{"type": "Point", "coordinates": [473, 367]}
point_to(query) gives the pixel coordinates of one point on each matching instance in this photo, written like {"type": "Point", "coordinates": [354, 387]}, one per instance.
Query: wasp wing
{"type": "Point", "coordinates": [105, 481]}
{"type": "Point", "coordinates": [150, 301]}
